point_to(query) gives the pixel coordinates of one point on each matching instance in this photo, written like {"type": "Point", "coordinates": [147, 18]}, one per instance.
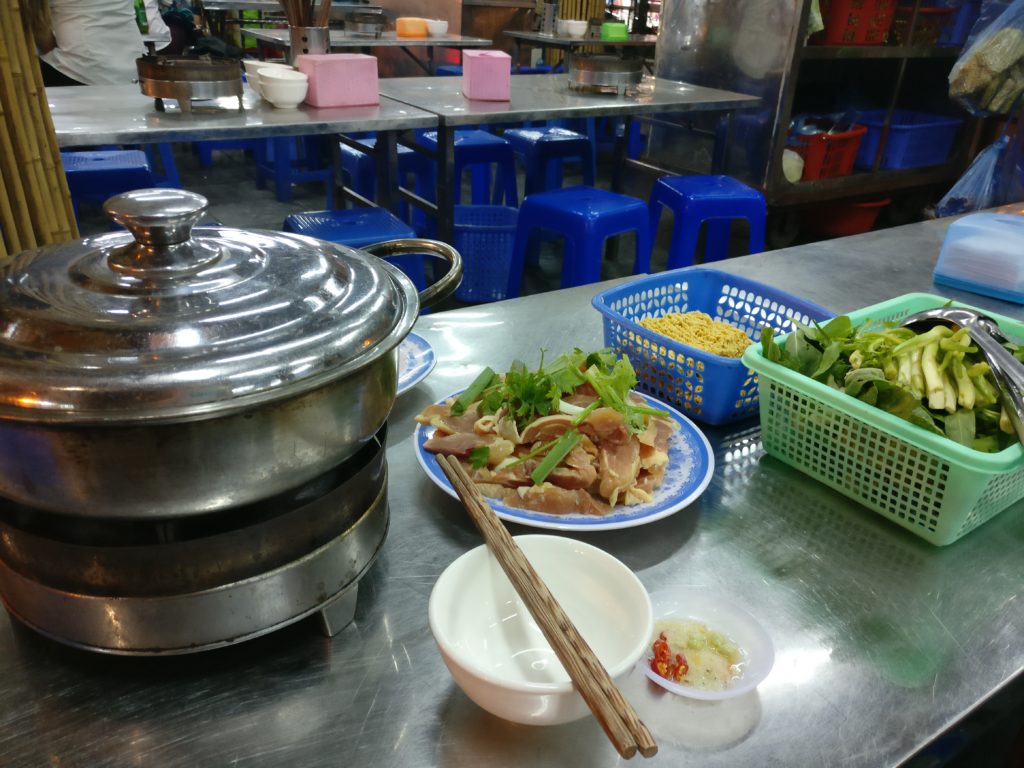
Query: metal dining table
{"type": "Point", "coordinates": [883, 642]}
{"type": "Point", "coordinates": [343, 41]}
{"type": "Point", "coordinates": [544, 97]}
{"type": "Point", "coordinates": [119, 114]}
{"type": "Point", "coordinates": [636, 45]}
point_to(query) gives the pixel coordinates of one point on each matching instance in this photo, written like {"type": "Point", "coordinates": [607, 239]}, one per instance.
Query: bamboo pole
{"type": "Point", "coordinates": [20, 129]}
{"type": "Point", "coordinates": [9, 243]}
{"type": "Point", "coordinates": [53, 169]}
{"type": "Point", "coordinates": [22, 232]}
{"type": "Point", "coordinates": [35, 204]}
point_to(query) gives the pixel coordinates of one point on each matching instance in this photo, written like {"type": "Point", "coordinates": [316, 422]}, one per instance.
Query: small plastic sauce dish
{"type": "Point", "coordinates": [719, 615]}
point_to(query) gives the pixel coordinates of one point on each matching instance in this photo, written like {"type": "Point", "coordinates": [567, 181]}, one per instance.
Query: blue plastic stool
{"type": "Point", "coordinates": [478, 151]}
{"type": "Point", "coordinates": [95, 175]}
{"type": "Point", "coordinates": [165, 154]}
{"type": "Point", "coordinates": [448, 70]}
{"type": "Point", "coordinates": [361, 170]}
{"type": "Point", "coordinates": [293, 160]}
{"type": "Point", "coordinates": [543, 149]}
{"type": "Point", "coordinates": [359, 227]}
{"type": "Point", "coordinates": [586, 217]}
{"type": "Point", "coordinates": [714, 199]}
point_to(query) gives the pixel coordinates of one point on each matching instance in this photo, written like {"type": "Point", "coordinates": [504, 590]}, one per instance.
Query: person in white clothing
{"type": "Point", "coordinates": [88, 42]}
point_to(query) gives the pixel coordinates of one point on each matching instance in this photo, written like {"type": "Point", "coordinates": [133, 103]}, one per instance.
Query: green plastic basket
{"type": "Point", "coordinates": [930, 485]}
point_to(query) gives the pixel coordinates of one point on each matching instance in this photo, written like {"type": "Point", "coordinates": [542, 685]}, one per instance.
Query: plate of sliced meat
{"type": "Point", "coordinates": [610, 476]}
{"type": "Point", "coordinates": [415, 360]}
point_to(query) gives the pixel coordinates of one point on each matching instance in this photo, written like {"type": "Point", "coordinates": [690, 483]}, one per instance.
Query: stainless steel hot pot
{"type": "Point", "coordinates": [165, 372]}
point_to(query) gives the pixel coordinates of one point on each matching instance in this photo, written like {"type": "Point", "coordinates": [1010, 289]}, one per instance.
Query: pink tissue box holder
{"type": "Point", "coordinates": [487, 75]}
{"type": "Point", "coordinates": [340, 79]}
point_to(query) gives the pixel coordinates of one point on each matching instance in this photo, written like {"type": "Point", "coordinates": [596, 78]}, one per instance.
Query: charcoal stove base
{"type": "Point", "coordinates": [144, 588]}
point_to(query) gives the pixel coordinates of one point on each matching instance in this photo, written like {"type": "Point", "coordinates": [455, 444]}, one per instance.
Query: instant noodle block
{"type": "Point", "coordinates": [340, 79]}
{"type": "Point", "coordinates": [487, 75]}
{"type": "Point", "coordinates": [707, 387]}
{"type": "Point", "coordinates": [930, 485]}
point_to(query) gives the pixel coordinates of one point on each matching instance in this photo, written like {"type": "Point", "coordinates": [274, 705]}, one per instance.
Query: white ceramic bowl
{"type": "Point", "coordinates": [284, 88]}
{"type": "Point", "coordinates": [495, 650]}
{"type": "Point", "coordinates": [437, 27]}
{"type": "Point", "coordinates": [715, 611]}
{"type": "Point", "coordinates": [252, 68]}
{"type": "Point", "coordinates": [575, 28]}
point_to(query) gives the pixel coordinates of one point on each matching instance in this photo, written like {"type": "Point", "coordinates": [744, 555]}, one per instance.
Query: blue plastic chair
{"type": "Point", "coordinates": [542, 151]}
{"type": "Point", "coordinates": [585, 217]}
{"type": "Point", "coordinates": [294, 160]}
{"type": "Point", "coordinates": [714, 199]}
{"type": "Point", "coordinates": [95, 175]}
{"type": "Point", "coordinates": [359, 227]}
{"type": "Point", "coordinates": [479, 151]}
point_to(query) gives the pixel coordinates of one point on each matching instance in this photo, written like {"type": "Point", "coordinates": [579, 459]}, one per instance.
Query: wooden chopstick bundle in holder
{"type": "Point", "coordinates": [300, 13]}
{"type": "Point", "coordinates": [616, 715]}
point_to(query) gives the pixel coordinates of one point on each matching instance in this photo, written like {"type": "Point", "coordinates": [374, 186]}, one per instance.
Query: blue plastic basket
{"type": "Point", "coordinates": [484, 236]}
{"type": "Point", "coordinates": [710, 388]}
{"type": "Point", "coordinates": [915, 139]}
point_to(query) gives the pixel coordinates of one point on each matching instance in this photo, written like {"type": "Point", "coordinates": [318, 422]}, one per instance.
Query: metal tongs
{"type": "Point", "coordinates": [1007, 370]}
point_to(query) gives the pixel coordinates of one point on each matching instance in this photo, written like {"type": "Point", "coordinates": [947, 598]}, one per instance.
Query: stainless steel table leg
{"type": "Point", "coordinates": [386, 156]}
{"type": "Point", "coordinates": [339, 614]}
{"type": "Point", "coordinates": [446, 182]}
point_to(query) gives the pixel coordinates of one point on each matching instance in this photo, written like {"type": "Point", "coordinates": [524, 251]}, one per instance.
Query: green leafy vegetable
{"type": "Point", "coordinates": [479, 457]}
{"type": "Point", "coordinates": [937, 380]}
{"type": "Point", "coordinates": [472, 392]}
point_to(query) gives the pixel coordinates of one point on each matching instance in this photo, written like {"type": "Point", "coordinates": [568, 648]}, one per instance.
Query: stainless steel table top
{"type": "Point", "coordinates": [882, 640]}
{"type": "Point", "coordinates": [542, 40]}
{"type": "Point", "coordinates": [541, 97]}
{"type": "Point", "coordinates": [119, 114]}
{"type": "Point", "coordinates": [274, 6]}
{"type": "Point", "coordinates": [340, 40]}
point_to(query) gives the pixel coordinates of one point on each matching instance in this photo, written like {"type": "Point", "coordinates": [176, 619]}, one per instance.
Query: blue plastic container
{"type": "Point", "coordinates": [707, 387]}
{"type": "Point", "coordinates": [484, 236]}
{"type": "Point", "coordinates": [915, 139]}
{"type": "Point", "coordinates": [956, 32]}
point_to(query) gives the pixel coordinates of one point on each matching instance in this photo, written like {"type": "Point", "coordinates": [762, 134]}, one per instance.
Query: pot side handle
{"type": "Point", "coordinates": [443, 288]}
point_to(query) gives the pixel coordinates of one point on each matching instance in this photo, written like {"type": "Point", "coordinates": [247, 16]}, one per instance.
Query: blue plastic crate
{"type": "Point", "coordinates": [707, 387]}
{"type": "Point", "coordinates": [484, 236]}
{"type": "Point", "coordinates": [915, 139]}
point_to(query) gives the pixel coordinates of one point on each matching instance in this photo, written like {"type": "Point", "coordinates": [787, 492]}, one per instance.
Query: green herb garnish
{"type": "Point", "coordinates": [479, 457]}
{"type": "Point", "coordinates": [472, 392]}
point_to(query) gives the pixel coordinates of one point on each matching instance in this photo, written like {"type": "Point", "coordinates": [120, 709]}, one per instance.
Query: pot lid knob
{"type": "Point", "coordinates": [161, 222]}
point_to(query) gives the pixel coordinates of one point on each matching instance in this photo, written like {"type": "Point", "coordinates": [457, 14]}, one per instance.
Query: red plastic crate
{"type": "Point", "coordinates": [827, 155]}
{"type": "Point", "coordinates": [855, 22]}
{"type": "Point", "coordinates": [843, 219]}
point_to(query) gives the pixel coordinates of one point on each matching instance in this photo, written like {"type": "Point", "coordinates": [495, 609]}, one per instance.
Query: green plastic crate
{"type": "Point", "coordinates": [930, 485]}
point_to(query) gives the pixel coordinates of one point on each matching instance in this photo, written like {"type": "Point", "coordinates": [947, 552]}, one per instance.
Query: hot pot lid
{"type": "Point", "coordinates": [163, 324]}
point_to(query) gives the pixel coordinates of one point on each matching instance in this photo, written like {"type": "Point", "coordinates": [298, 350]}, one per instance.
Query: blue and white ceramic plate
{"type": "Point", "coordinates": [415, 360]}
{"type": "Point", "coordinates": [691, 465]}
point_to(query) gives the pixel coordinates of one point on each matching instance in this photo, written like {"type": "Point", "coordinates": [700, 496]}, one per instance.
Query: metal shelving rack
{"type": "Point", "coordinates": [780, 192]}
{"type": "Point", "coordinates": [759, 48]}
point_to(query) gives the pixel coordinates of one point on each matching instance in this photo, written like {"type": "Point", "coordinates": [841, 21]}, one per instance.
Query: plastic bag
{"type": "Point", "coordinates": [980, 185]}
{"type": "Point", "coordinates": [988, 77]}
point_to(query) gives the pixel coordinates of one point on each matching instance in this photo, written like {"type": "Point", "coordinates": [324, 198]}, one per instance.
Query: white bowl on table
{"type": "Point", "coordinates": [284, 88]}
{"type": "Point", "coordinates": [437, 27]}
{"type": "Point", "coordinates": [252, 69]}
{"type": "Point", "coordinates": [496, 652]}
{"type": "Point", "coordinates": [573, 28]}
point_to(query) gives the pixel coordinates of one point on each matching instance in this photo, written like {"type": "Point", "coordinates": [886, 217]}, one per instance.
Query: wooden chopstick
{"type": "Point", "coordinates": [323, 16]}
{"type": "Point", "coordinates": [616, 715]}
